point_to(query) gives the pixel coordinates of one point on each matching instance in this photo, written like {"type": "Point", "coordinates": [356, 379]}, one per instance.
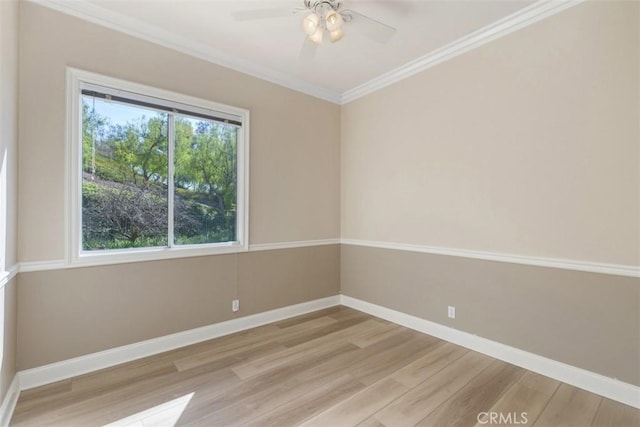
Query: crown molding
{"type": "Point", "coordinates": [137, 28]}
{"type": "Point", "coordinates": [152, 33]}
{"type": "Point", "coordinates": [520, 19]}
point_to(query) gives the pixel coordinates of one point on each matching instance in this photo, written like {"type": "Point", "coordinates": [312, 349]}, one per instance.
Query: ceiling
{"type": "Point", "coordinates": [275, 43]}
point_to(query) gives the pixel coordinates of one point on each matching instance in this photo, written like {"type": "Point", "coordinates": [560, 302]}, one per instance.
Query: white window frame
{"type": "Point", "coordinates": [75, 255]}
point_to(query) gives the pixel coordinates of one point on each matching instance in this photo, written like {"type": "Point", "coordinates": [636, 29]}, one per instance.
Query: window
{"type": "Point", "coordinates": [153, 174]}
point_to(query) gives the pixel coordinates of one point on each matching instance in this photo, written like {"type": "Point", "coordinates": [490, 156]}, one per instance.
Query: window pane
{"type": "Point", "coordinates": [124, 176]}
{"type": "Point", "coordinates": [205, 181]}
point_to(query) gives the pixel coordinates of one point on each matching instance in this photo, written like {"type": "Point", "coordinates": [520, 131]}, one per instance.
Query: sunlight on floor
{"type": "Point", "coordinates": [163, 415]}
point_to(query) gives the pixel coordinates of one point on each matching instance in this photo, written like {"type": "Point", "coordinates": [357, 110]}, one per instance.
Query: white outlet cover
{"type": "Point", "coordinates": [452, 312]}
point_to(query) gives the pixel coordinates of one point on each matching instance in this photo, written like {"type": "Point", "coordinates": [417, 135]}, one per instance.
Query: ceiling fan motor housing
{"type": "Point", "coordinates": [321, 4]}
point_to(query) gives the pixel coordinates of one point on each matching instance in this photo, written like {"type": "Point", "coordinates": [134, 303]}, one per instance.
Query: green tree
{"type": "Point", "coordinates": [183, 175]}
{"type": "Point", "coordinates": [126, 206]}
{"type": "Point", "coordinates": [213, 157]}
{"type": "Point", "coordinates": [140, 149]}
{"type": "Point", "coordinates": [205, 174]}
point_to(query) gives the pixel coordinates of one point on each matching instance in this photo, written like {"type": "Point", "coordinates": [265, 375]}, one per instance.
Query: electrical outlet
{"type": "Point", "coordinates": [452, 312]}
{"type": "Point", "coordinates": [235, 305]}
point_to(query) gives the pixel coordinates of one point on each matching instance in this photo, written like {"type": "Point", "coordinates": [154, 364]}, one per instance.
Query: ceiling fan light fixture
{"type": "Point", "coordinates": [336, 35]}
{"type": "Point", "coordinates": [311, 24]}
{"type": "Point", "coordinates": [333, 20]}
{"type": "Point", "coordinates": [317, 36]}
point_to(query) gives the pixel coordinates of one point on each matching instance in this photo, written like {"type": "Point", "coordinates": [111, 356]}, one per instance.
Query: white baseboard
{"type": "Point", "coordinates": [590, 381]}
{"type": "Point", "coordinates": [9, 402]}
{"type": "Point", "coordinates": [92, 362]}
{"type": "Point", "coordinates": [581, 378]}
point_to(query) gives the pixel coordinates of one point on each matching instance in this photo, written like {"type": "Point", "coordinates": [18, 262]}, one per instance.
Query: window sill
{"type": "Point", "coordinates": [88, 259]}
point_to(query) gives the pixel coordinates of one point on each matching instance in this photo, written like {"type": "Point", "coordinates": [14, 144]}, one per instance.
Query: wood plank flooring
{"type": "Point", "coordinates": [335, 367]}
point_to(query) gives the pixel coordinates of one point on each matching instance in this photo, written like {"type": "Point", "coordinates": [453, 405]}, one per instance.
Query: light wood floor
{"type": "Point", "coordinates": [335, 367]}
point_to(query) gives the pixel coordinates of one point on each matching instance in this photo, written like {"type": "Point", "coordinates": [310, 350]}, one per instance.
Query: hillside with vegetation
{"type": "Point", "coordinates": [125, 186]}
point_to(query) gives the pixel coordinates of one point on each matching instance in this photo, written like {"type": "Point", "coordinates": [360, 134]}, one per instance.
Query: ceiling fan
{"type": "Point", "coordinates": [324, 17]}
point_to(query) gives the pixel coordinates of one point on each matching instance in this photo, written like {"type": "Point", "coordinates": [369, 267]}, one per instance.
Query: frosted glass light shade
{"type": "Point", "coordinates": [333, 20]}
{"type": "Point", "coordinates": [311, 23]}
{"type": "Point", "coordinates": [336, 35]}
{"type": "Point", "coordinates": [317, 36]}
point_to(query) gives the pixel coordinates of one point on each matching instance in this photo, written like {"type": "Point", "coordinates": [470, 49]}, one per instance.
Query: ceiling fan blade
{"type": "Point", "coordinates": [255, 14]}
{"type": "Point", "coordinates": [308, 51]}
{"type": "Point", "coordinates": [369, 27]}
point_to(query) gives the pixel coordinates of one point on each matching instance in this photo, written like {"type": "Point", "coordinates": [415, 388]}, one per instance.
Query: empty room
{"type": "Point", "coordinates": [320, 213]}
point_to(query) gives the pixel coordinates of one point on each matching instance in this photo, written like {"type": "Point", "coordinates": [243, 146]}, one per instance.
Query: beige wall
{"type": "Point", "coordinates": [528, 145]}
{"type": "Point", "coordinates": [295, 174]}
{"type": "Point", "coordinates": [294, 195]}
{"type": "Point", "coordinates": [587, 320]}
{"type": "Point", "coordinates": [8, 305]}
{"type": "Point", "coordinates": [8, 132]}
{"type": "Point", "coordinates": [8, 186]}
{"type": "Point", "coordinates": [69, 313]}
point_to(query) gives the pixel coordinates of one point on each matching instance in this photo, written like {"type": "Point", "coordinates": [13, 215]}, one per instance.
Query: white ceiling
{"type": "Point", "coordinates": [274, 44]}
